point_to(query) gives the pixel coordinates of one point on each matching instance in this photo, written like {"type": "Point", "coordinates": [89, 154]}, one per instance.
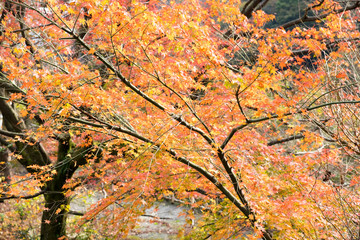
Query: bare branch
{"type": "Point", "coordinates": [283, 140]}
{"type": "Point", "coordinates": [238, 102]}
{"type": "Point", "coordinates": [250, 121]}
{"type": "Point", "coordinates": [231, 134]}
{"type": "Point", "coordinates": [31, 28]}
{"type": "Point", "coordinates": [261, 5]}
{"type": "Point", "coordinates": [11, 134]}
{"type": "Point", "coordinates": [76, 213]}
{"type": "Point", "coordinates": [251, 6]}
{"type": "Point", "coordinates": [306, 18]}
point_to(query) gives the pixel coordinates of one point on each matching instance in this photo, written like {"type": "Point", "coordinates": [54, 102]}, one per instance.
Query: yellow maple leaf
{"type": "Point", "coordinates": [91, 51]}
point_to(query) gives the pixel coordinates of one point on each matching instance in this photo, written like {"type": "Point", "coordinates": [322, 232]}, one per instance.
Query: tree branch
{"type": "Point", "coordinates": [76, 213]}
{"type": "Point", "coordinates": [173, 154]}
{"type": "Point", "coordinates": [250, 6]}
{"type": "Point", "coordinates": [283, 140]}
{"type": "Point", "coordinates": [22, 197]}
{"type": "Point", "coordinates": [306, 18]}
{"type": "Point", "coordinates": [250, 121]}
{"type": "Point", "coordinates": [11, 134]}
{"type": "Point", "coordinates": [31, 28]}
{"type": "Point", "coordinates": [261, 5]}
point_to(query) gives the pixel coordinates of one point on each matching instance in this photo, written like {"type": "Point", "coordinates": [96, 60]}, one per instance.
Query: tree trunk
{"type": "Point", "coordinates": [4, 170]}
{"type": "Point", "coordinates": [53, 222]}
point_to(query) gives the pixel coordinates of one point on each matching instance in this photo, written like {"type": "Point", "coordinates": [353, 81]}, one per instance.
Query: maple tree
{"type": "Point", "coordinates": [191, 99]}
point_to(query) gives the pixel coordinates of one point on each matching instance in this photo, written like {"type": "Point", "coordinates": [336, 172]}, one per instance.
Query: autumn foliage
{"type": "Point", "coordinates": [200, 101]}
